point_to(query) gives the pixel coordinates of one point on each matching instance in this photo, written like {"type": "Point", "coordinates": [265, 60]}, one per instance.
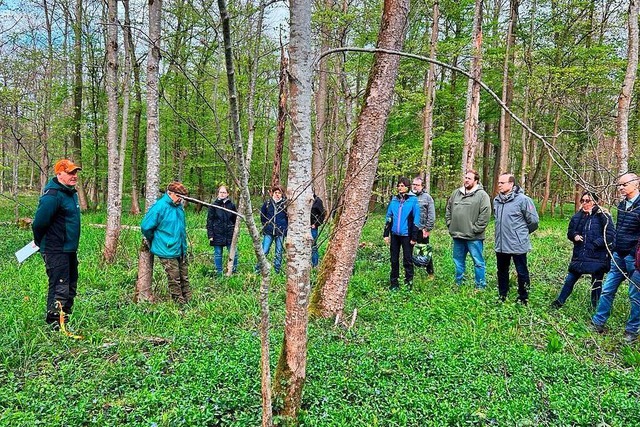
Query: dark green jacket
{"type": "Point", "coordinates": [56, 226]}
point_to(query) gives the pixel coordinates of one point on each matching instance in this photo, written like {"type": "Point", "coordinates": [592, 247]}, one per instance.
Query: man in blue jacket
{"type": "Point", "coordinates": [622, 263]}
{"type": "Point", "coordinates": [56, 230]}
{"type": "Point", "coordinates": [401, 231]}
{"type": "Point", "coordinates": [165, 229]}
{"type": "Point", "coordinates": [516, 217]}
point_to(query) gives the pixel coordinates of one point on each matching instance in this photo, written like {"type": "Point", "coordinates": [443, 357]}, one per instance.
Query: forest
{"type": "Point", "coordinates": [338, 99]}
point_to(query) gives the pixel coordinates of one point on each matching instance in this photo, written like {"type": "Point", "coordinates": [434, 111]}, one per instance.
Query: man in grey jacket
{"type": "Point", "coordinates": [467, 216]}
{"type": "Point", "coordinates": [516, 218]}
{"type": "Point", "coordinates": [427, 215]}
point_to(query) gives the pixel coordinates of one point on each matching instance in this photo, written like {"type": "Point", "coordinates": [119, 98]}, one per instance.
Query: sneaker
{"type": "Point", "coordinates": [556, 305]}
{"type": "Point", "coordinates": [630, 337]}
{"type": "Point", "coordinates": [597, 328]}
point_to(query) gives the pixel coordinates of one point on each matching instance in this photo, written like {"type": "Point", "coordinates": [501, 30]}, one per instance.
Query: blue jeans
{"type": "Point", "coordinates": [474, 247]}
{"type": "Point", "coordinates": [267, 240]}
{"type": "Point", "coordinates": [619, 267]}
{"type": "Point", "coordinates": [570, 281]}
{"type": "Point", "coordinates": [217, 258]}
{"type": "Point", "coordinates": [315, 257]}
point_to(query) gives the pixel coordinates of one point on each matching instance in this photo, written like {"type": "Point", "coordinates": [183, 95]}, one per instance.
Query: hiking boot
{"type": "Point", "coordinates": [630, 337]}
{"type": "Point", "coordinates": [597, 328]}
{"type": "Point", "coordinates": [556, 305]}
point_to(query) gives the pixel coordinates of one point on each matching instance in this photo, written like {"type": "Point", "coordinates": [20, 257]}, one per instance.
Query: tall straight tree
{"type": "Point", "coordinates": [291, 370]}
{"type": "Point", "coordinates": [473, 93]}
{"type": "Point", "coordinates": [507, 88]}
{"type": "Point", "coordinates": [624, 100]}
{"type": "Point", "coordinates": [114, 195]}
{"type": "Point", "coordinates": [77, 100]}
{"type": "Point", "coordinates": [333, 278]}
{"type": "Point", "coordinates": [145, 259]}
{"type": "Point", "coordinates": [430, 98]}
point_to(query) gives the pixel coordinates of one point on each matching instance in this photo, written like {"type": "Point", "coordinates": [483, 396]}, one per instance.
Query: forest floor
{"type": "Point", "coordinates": [437, 355]}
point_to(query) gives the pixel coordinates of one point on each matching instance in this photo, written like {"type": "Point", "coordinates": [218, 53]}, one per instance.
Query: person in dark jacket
{"type": "Point", "coordinates": [592, 231]}
{"type": "Point", "coordinates": [623, 259]}
{"type": "Point", "coordinates": [273, 216]}
{"type": "Point", "coordinates": [401, 231]}
{"type": "Point", "coordinates": [165, 228]}
{"type": "Point", "coordinates": [220, 225]}
{"type": "Point", "coordinates": [56, 230]}
{"type": "Point", "coordinates": [318, 214]}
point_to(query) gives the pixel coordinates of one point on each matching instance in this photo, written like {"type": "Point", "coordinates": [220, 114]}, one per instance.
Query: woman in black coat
{"type": "Point", "coordinates": [220, 225]}
{"type": "Point", "coordinates": [591, 230]}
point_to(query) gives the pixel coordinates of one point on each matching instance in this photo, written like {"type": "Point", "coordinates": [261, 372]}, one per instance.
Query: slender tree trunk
{"type": "Point", "coordinates": [282, 119]}
{"type": "Point", "coordinates": [624, 99]}
{"type": "Point", "coordinates": [243, 184]}
{"type": "Point", "coordinates": [137, 112]}
{"type": "Point", "coordinates": [473, 94]}
{"type": "Point", "coordinates": [547, 182]}
{"type": "Point", "coordinates": [291, 371]}
{"type": "Point", "coordinates": [337, 265]}
{"type": "Point", "coordinates": [114, 197]}
{"type": "Point", "coordinates": [145, 260]}
{"type": "Point", "coordinates": [77, 101]}
{"type": "Point", "coordinates": [507, 88]}
{"type": "Point", "coordinates": [430, 98]}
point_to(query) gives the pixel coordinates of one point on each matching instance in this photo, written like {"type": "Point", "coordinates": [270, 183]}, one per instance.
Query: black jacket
{"type": "Point", "coordinates": [627, 228]}
{"type": "Point", "coordinates": [597, 230]}
{"type": "Point", "coordinates": [318, 212]}
{"type": "Point", "coordinates": [220, 224]}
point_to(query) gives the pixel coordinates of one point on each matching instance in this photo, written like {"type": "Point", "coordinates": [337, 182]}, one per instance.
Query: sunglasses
{"type": "Point", "coordinates": [585, 200]}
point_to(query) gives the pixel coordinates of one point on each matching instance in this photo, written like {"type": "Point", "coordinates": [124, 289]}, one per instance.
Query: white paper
{"type": "Point", "coordinates": [28, 250]}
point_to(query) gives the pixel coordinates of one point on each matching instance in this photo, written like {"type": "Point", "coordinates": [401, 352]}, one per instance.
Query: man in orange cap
{"type": "Point", "coordinates": [56, 230]}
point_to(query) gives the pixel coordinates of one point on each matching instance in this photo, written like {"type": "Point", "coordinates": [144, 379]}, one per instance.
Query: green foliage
{"type": "Point", "coordinates": [439, 355]}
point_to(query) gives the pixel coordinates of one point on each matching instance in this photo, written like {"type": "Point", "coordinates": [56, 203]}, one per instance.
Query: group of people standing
{"type": "Point", "coordinates": [600, 247]}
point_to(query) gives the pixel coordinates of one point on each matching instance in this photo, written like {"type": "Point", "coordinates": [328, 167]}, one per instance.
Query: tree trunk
{"type": "Point", "coordinates": [547, 182]}
{"type": "Point", "coordinates": [291, 370]}
{"type": "Point", "coordinates": [243, 184]}
{"type": "Point", "coordinates": [473, 94]}
{"type": "Point", "coordinates": [145, 260]}
{"type": "Point", "coordinates": [114, 197]}
{"type": "Point", "coordinates": [430, 98]}
{"type": "Point", "coordinates": [507, 88]}
{"type": "Point", "coordinates": [137, 112]}
{"type": "Point", "coordinates": [282, 119]}
{"type": "Point", "coordinates": [77, 102]}
{"type": "Point", "coordinates": [624, 99]}
{"type": "Point", "coordinates": [336, 268]}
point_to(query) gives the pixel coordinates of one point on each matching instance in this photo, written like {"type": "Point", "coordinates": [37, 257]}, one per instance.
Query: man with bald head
{"type": "Point", "coordinates": [622, 262]}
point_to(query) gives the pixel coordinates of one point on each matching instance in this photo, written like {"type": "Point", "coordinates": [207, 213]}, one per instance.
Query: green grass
{"type": "Point", "coordinates": [437, 356]}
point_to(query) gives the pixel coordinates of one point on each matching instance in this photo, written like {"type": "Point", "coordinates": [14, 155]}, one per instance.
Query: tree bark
{"type": "Point", "coordinates": [114, 197]}
{"type": "Point", "coordinates": [473, 94]}
{"type": "Point", "coordinates": [145, 260]}
{"type": "Point", "coordinates": [337, 266]}
{"type": "Point", "coordinates": [282, 119]}
{"type": "Point", "coordinates": [137, 113]}
{"type": "Point", "coordinates": [430, 98]}
{"type": "Point", "coordinates": [624, 99]}
{"type": "Point", "coordinates": [77, 101]}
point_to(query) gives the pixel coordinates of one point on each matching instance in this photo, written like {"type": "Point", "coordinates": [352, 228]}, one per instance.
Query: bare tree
{"type": "Point", "coordinates": [624, 99]}
{"type": "Point", "coordinates": [333, 278]}
{"type": "Point", "coordinates": [77, 100]}
{"type": "Point", "coordinates": [507, 88]}
{"type": "Point", "coordinates": [473, 93]}
{"type": "Point", "coordinates": [114, 196]}
{"type": "Point", "coordinates": [145, 260]}
{"type": "Point", "coordinates": [430, 98]}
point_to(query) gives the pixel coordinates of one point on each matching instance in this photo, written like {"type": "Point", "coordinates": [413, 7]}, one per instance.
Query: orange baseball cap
{"type": "Point", "coordinates": [65, 165]}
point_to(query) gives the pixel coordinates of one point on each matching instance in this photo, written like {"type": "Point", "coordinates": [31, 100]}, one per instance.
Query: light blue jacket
{"type": "Point", "coordinates": [403, 216]}
{"type": "Point", "coordinates": [516, 217]}
{"type": "Point", "coordinates": [165, 228]}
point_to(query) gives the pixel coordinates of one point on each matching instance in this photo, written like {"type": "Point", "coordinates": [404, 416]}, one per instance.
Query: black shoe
{"type": "Point", "coordinates": [556, 305]}
{"type": "Point", "coordinates": [597, 328]}
{"type": "Point", "coordinates": [630, 337]}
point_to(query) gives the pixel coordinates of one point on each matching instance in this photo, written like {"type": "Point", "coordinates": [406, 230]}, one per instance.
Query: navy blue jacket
{"type": "Point", "coordinates": [627, 228]}
{"type": "Point", "coordinates": [220, 224]}
{"type": "Point", "coordinates": [274, 219]}
{"type": "Point", "coordinates": [591, 255]}
{"type": "Point", "coordinates": [56, 225]}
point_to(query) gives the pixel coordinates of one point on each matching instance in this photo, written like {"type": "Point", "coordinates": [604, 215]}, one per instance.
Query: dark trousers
{"type": "Point", "coordinates": [504, 262]}
{"type": "Point", "coordinates": [426, 240]}
{"type": "Point", "coordinates": [62, 269]}
{"type": "Point", "coordinates": [396, 243]}
{"type": "Point", "coordinates": [570, 281]}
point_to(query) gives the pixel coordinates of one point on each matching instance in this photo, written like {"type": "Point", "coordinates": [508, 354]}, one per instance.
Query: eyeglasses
{"type": "Point", "coordinates": [585, 201]}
